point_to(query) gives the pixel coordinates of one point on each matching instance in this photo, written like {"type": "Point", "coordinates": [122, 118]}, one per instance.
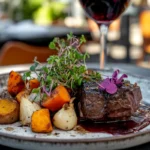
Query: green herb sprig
{"type": "Point", "coordinates": [68, 68]}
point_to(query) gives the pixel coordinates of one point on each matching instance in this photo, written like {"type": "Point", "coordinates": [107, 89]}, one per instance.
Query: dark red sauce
{"type": "Point", "coordinates": [137, 122]}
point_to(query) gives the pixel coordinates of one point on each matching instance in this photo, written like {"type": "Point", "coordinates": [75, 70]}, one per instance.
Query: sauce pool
{"type": "Point", "coordinates": [134, 124]}
{"type": "Point", "coordinates": [124, 127]}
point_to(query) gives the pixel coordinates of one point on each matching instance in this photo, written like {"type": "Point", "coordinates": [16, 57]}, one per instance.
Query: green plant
{"type": "Point", "coordinates": [40, 11]}
{"type": "Point", "coordinates": [49, 12]}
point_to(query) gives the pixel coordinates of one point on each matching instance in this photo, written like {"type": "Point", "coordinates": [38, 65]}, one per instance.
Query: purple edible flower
{"type": "Point", "coordinates": [115, 74]}
{"type": "Point", "coordinates": [118, 81]}
{"type": "Point", "coordinates": [110, 85]}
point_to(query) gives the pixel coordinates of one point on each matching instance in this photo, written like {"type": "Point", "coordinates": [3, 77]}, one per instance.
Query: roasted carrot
{"type": "Point", "coordinates": [57, 99]}
{"type": "Point", "coordinates": [21, 94]}
{"type": "Point", "coordinates": [15, 83]}
{"type": "Point", "coordinates": [34, 83]}
{"type": "Point", "coordinates": [40, 121]}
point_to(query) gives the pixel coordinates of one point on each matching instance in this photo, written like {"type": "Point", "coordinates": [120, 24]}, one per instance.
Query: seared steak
{"type": "Point", "coordinates": [92, 103]}
{"type": "Point", "coordinates": [96, 105]}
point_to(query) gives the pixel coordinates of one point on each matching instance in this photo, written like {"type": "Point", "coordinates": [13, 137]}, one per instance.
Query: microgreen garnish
{"type": "Point", "coordinates": [111, 85]}
{"type": "Point", "coordinates": [68, 68]}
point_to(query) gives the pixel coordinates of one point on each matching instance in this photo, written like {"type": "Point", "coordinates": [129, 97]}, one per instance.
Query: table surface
{"type": "Point", "coordinates": [132, 69]}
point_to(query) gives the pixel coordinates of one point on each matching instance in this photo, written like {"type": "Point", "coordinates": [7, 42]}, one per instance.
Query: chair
{"type": "Point", "coordinates": [145, 30]}
{"type": "Point", "coordinates": [20, 53]}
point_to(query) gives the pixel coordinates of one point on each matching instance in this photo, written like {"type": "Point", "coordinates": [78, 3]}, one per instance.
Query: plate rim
{"type": "Point", "coordinates": [106, 139]}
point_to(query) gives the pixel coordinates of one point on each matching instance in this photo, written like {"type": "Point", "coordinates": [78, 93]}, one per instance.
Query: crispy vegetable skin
{"type": "Point", "coordinates": [15, 83]}
{"type": "Point", "coordinates": [21, 94]}
{"type": "Point", "coordinates": [58, 98]}
{"type": "Point", "coordinates": [34, 83]}
{"type": "Point", "coordinates": [9, 111]}
{"type": "Point", "coordinates": [40, 121]}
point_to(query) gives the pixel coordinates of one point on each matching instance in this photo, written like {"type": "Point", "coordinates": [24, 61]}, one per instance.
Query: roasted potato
{"type": "Point", "coordinates": [9, 111]}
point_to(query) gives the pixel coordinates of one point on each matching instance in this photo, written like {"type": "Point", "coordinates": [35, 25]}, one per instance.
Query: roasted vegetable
{"type": "Point", "coordinates": [41, 122]}
{"type": "Point", "coordinates": [15, 83]}
{"type": "Point", "coordinates": [9, 111]}
{"type": "Point", "coordinates": [26, 110]}
{"type": "Point", "coordinates": [57, 99]}
{"type": "Point", "coordinates": [21, 94]}
{"type": "Point", "coordinates": [65, 118]}
{"type": "Point", "coordinates": [34, 83]}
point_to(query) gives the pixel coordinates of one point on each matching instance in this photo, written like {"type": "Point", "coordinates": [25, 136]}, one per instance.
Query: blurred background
{"type": "Point", "coordinates": [27, 27]}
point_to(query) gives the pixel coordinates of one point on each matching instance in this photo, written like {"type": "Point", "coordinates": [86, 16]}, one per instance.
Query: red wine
{"type": "Point", "coordinates": [104, 11]}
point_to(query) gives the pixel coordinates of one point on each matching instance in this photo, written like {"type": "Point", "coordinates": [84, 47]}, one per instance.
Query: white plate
{"type": "Point", "coordinates": [21, 137]}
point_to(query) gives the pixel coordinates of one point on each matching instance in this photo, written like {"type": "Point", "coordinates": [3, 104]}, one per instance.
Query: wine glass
{"type": "Point", "coordinates": [103, 12]}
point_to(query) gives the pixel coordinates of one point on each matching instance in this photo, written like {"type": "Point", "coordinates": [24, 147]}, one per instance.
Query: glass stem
{"type": "Point", "coordinates": [103, 40]}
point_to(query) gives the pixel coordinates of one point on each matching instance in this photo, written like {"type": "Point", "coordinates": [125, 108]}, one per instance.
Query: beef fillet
{"type": "Point", "coordinates": [95, 105]}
